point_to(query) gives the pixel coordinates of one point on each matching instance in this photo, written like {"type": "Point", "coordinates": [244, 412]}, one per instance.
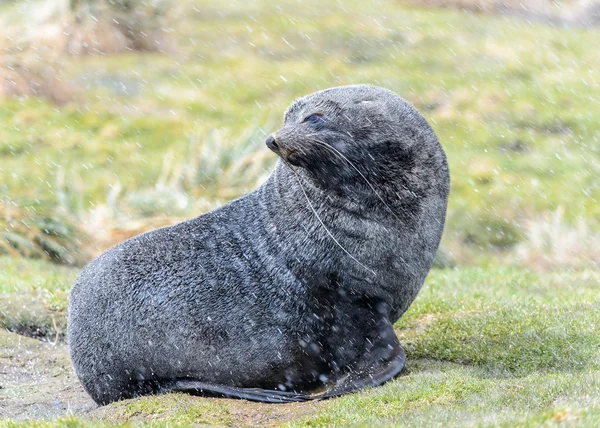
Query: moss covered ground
{"type": "Point", "coordinates": [485, 346]}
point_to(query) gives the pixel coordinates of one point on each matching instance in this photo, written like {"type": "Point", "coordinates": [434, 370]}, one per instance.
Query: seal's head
{"type": "Point", "coordinates": [357, 137]}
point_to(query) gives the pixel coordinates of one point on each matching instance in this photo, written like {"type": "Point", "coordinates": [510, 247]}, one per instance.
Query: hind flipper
{"type": "Point", "coordinates": [195, 387]}
{"type": "Point", "coordinates": [384, 359]}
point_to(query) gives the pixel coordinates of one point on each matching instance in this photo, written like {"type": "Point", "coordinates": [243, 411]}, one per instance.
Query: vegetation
{"type": "Point", "coordinates": [485, 346]}
{"type": "Point", "coordinates": [111, 26]}
{"type": "Point", "coordinates": [96, 148]}
{"type": "Point", "coordinates": [519, 127]}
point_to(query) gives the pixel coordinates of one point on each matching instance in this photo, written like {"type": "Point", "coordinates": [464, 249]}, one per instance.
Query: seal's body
{"type": "Point", "coordinates": [289, 290]}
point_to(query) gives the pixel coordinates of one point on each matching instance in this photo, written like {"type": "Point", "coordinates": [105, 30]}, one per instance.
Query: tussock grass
{"type": "Point", "coordinates": [27, 72]}
{"type": "Point", "coordinates": [35, 36]}
{"type": "Point", "coordinates": [552, 244]}
{"type": "Point", "coordinates": [38, 232]}
{"type": "Point", "coordinates": [107, 27]}
{"type": "Point", "coordinates": [216, 168]}
{"type": "Point", "coordinates": [572, 13]}
{"type": "Point", "coordinates": [89, 27]}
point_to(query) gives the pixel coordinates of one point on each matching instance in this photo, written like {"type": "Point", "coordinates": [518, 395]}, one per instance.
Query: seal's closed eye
{"type": "Point", "coordinates": [313, 118]}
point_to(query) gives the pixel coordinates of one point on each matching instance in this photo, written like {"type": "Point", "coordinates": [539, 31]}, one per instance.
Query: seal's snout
{"type": "Point", "coordinates": [272, 143]}
{"type": "Point", "coordinates": [281, 148]}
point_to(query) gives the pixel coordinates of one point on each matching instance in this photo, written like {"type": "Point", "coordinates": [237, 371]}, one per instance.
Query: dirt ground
{"type": "Point", "coordinates": [37, 380]}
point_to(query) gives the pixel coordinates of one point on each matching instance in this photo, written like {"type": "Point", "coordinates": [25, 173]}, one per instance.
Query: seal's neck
{"type": "Point", "coordinates": [292, 189]}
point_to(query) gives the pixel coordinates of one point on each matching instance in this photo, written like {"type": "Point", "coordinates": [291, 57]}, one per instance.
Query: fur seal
{"type": "Point", "coordinates": [289, 293]}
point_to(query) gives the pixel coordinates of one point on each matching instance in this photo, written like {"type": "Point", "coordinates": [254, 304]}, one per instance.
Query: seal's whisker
{"type": "Point", "coordinates": [341, 155]}
{"type": "Point", "coordinates": [323, 224]}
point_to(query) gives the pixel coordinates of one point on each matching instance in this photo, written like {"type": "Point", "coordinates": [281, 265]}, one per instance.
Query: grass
{"type": "Point", "coordinates": [485, 346]}
{"type": "Point", "coordinates": [33, 297]}
{"type": "Point", "coordinates": [519, 127]}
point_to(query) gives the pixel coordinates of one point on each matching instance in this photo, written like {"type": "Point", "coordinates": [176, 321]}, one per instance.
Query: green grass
{"type": "Point", "coordinates": [514, 104]}
{"type": "Point", "coordinates": [485, 346]}
{"type": "Point", "coordinates": [33, 297]}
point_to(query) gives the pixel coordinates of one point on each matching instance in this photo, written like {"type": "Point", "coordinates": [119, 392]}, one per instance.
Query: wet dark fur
{"type": "Point", "coordinates": [256, 299]}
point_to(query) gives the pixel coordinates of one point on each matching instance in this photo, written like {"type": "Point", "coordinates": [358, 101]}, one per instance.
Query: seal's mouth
{"type": "Point", "coordinates": [292, 157]}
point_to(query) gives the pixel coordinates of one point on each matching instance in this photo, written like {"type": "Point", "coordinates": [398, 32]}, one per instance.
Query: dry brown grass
{"type": "Point", "coordinates": [487, 6]}
{"type": "Point", "coordinates": [34, 232]}
{"type": "Point", "coordinates": [581, 13]}
{"type": "Point", "coordinates": [34, 72]}
{"type": "Point", "coordinates": [105, 227]}
{"type": "Point", "coordinates": [89, 27]}
{"type": "Point", "coordinates": [217, 168]}
{"type": "Point", "coordinates": [551, 244]}
{"type": "Point", "coordinates": [107, 32]}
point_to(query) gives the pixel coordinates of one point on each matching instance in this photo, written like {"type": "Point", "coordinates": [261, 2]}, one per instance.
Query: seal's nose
{"type": "Point", "coordinates": [271, 143]}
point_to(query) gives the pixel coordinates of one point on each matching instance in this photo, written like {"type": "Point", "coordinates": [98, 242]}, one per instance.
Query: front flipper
{"type": "Point", "coordinates": [378, 360]}
{"type": "Point", "coordinates": [194, 387]}
{"type": "Point", "coordinates": [383, 359]}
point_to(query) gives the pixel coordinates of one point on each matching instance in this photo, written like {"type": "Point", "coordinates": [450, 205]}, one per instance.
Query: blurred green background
{"type": "Point", "coordinates": [120, 116]}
